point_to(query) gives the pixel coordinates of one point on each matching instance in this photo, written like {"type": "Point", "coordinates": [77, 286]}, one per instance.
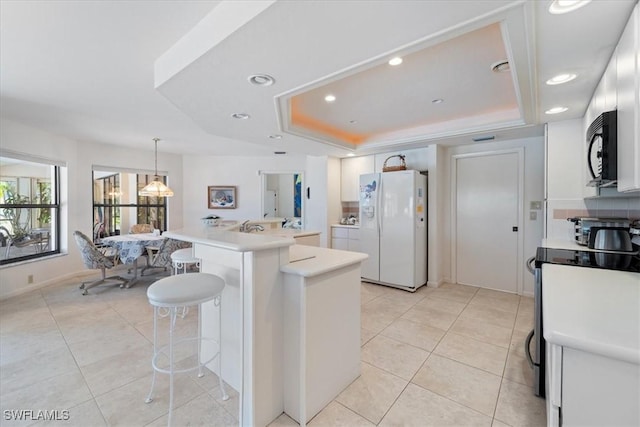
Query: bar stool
{"type": "Point", "coordinates": [167, 296]}
{"type": "Point", "coordinates": [182, 258]}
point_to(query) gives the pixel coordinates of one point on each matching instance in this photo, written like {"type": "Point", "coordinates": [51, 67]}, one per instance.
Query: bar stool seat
{"type": "Point", "coordinates": [182, 258]}
{"type": "Point", "coordinates": [168, 296]}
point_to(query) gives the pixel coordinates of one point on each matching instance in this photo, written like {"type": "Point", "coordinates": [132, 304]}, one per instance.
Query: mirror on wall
{"type": "Point", "coordinates": [117, 205]}
{"type": "Point", "coordinates": [282, 197]}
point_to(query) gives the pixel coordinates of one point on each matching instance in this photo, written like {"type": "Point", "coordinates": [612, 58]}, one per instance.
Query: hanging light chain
{"type": "Point", "coordinates": [156, 156]}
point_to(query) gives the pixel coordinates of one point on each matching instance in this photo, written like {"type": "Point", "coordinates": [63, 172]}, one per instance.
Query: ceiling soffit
{"type": "Point", "coordinates": [380, 105]}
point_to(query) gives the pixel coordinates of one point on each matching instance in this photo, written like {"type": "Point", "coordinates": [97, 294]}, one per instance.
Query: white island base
{"type": "Point", "coordinates": [322, 329]}
{"type": "Point", "coordinates": [287, 313]}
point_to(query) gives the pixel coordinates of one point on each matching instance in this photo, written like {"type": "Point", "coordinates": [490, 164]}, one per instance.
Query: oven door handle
{"type": "Point", "coordinates": [527, 351]}
{"type": "Point", "coordinates": [530, 264]}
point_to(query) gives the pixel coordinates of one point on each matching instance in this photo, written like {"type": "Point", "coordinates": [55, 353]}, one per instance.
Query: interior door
{"type": "Point", "coordinates": [486, 214]}
{"type": "Point", "coordinates": [270, 203]}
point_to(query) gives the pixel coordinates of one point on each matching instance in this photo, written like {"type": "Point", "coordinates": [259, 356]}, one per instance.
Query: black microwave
{"type": "Point", "coordinates": [602, 150]}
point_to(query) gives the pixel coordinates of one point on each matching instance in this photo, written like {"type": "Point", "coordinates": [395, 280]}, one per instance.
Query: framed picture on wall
{"type": "Point", "coordinates": [221, 197]}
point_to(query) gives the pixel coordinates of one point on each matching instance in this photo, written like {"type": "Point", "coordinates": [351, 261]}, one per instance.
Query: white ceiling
{"type": "Point", "coordinates": [85, 70]}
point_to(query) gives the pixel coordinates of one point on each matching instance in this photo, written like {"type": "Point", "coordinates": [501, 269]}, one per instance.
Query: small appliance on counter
{"type": "Point", "coordinates": [606, 234]}
{"type": "Point", "coordinates": [350, 220]}
{"type": "Point", "coordinates": [211, 220]}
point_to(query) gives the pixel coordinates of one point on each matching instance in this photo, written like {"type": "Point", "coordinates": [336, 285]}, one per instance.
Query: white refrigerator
{"type": "Point", "coordinates": [393, 228]}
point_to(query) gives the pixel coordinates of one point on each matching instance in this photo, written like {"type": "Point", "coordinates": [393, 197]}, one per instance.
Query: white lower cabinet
{"type": "Point", "coordinates": [345, 239]}
{"type": "Point", "coordinates": [587, 389]}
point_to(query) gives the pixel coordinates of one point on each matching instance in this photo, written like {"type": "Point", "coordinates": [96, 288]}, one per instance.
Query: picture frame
{"type": "Point", "coordinates": [222, 197]}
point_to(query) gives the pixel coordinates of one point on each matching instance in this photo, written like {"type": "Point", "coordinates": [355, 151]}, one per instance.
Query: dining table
{"type": "Point", "coordinates": [130, 247]}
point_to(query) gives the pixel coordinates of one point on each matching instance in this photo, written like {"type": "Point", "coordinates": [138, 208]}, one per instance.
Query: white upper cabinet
{"type": "Point", "coordinates": [628, 101]}
{"type": "Point", "coordinates": [352, 168]}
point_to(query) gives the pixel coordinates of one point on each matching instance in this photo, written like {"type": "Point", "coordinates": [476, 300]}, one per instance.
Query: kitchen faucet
{"type": "Point", "coordinates": [248, 228]}
{"type": "Point", "coordinates": [253, 227]}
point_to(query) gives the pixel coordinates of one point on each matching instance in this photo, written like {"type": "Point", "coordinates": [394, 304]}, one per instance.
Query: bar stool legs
{"type": "Point", "coordinates": [182, 259]}
{"type": "Point", "coordinates": [217, 301]}
{"type": "Point", "coordinates": [169, 299]}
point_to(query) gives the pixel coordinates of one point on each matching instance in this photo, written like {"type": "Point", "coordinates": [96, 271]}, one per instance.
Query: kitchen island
{"type": "Point", "coordinates": [268, 279]}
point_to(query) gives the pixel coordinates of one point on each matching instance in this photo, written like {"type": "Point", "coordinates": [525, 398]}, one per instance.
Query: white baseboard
{"type": "Point", "coordinates": [436, 284]}
{"type": "Point", "coordinates": [44, 284]}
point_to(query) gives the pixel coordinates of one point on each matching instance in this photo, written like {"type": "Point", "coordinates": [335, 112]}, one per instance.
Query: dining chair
{"type": "Point", "coordinates": [93, 258]}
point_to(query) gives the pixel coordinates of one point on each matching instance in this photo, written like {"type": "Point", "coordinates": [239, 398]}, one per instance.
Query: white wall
{"type": "Point", "coordinates": [76, 196]}
{"type": "Point", "coordinates": [440, 235]}
{"type": "Point", "coordinates": [533, 191]}
{"type": "Point", "coordinates": [241, 172]}
{"type": "Point", "coordinates": [316, 212]}
{"type": "Point", "coordinates": [565, 177]}
{"type": "Point", "coordinates": [566, 183]}
{"type": "Point", "coordinates": [334, 205]}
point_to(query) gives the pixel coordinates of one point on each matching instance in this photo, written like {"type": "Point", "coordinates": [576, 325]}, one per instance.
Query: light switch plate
{"type": "Point", "coordinates": [533, 215]}
{"type": "Point", "coordinates": [535, 205]}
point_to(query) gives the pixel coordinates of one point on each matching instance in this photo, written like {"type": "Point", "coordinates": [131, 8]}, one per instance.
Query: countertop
{"type": "Point", "coordinates": [592, 310]}
{"type": "Point", "coordinates": [220, 237]}
{"type": "Point", "coordinates": [564, 244]}
{"type": "Point", "coordinates": [345, 226]}
{"type": "Point", "coordinates": [309, 261]}
{"type": "Point", "coordinates": [288, 232]}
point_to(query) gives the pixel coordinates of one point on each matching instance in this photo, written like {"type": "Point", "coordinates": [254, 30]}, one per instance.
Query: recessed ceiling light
{"type": "Point", "coordinates": [241, 116]}
{"type": "Point", "coordinates": [437, 101]}
{"type": "Point", "coordinates": [330, 98]}
{"type": "Point", "coordinates": [558, 7]}
{"type": "Point", "coordinates": [350, 154]}
{"type": "Point", "coordinates": [275, 136]}
{"type": "Point", "coordinates": [501, 66]}
{"type": "Point", "coordinates": [556, 110]}
{"type": "Point", "coordinates": [561, 78]}
{"type": "Point", "coordinates": [261, 80]}
{"type": "Point", "coordinates": [395, 61]}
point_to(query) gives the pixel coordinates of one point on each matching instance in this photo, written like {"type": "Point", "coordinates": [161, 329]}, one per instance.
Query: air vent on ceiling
{"type": "Point", "coordinates": [484, 138]}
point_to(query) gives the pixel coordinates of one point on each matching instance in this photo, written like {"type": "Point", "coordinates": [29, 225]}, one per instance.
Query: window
{"type": "Point", "coordinates": [29, 209]}
{"type": "Point", "coordinates": [117, 206]}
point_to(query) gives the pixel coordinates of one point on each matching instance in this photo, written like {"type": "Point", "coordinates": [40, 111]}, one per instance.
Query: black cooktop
{"type": "Point", "coordinates": [604, 260]}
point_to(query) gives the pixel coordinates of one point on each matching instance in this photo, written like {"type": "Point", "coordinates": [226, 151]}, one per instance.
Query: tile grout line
{"type": "Point", "coordinates": [75, 360]}
{"type": "Point", "coordinates": [423, 363]}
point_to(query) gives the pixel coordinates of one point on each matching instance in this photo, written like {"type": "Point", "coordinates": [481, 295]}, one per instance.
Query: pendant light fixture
{"type": "Point", "coordinates": [156, 188]}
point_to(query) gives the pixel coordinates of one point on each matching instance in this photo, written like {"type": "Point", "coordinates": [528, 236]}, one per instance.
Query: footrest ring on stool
{"type": "Point", "coordinates": [163, 351]}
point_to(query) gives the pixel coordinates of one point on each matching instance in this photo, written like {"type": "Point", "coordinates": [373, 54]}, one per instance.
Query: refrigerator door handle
{"type": "Point", "coordinates": [378, 205]}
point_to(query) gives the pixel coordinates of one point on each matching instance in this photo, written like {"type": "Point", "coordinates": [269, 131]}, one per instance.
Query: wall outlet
{"type": "Point", "coordinates": [533, 215]}
{"type": "Point", "coordinates": [30, 279]}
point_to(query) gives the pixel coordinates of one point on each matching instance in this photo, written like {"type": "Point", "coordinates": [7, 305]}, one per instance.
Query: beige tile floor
{"type": "Point", "coordinates": [445, 356]}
